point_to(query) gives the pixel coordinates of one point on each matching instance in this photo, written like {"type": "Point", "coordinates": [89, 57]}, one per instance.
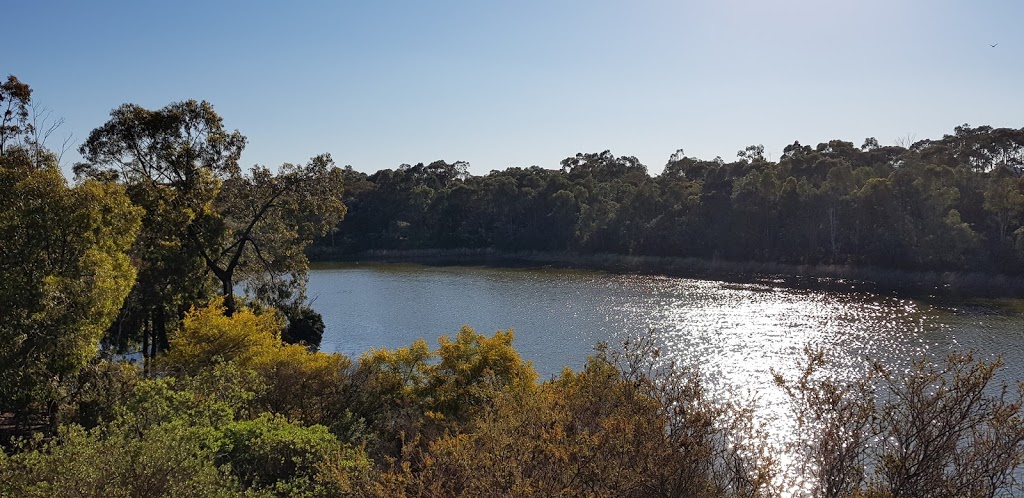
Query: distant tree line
{"type": "Point", "coordinates": [954, 203]}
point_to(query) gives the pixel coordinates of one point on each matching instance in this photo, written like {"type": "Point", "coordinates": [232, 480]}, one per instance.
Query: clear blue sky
{"type": "Point", "coordinates": [520, 83]}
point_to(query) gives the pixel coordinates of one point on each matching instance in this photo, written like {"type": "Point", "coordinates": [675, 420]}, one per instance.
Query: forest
{"type": "Point", "coordinates": [950, 204]}
{"type": "Point", "coordinates": [156, 339]}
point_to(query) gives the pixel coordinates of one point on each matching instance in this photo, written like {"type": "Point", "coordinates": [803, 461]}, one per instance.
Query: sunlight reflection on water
{"type": "Point", "coordinates": [736, 333]}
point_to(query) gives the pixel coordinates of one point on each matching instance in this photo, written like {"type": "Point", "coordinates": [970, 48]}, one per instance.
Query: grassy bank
{"type": "Point", "coordinates": [830, 277]}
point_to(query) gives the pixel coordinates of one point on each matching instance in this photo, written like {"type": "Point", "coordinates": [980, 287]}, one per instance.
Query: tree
{"type": "Point", "coordinates": [1004, 199]}
{"type": "Point", "coordinates": [979, 149]}
{"type": "Point", "coordinates": [604, 167]}
{"type": "Point", "coordinates": [173, 162]}
{"type": "Point", "coordinates": [15, 99]}
{"type": "Point", "coordinates": [752, 153]}
{"type": "Point", "coordinates": [263, 222]}
{"type": "Point", "coordinates": [64, 269]}
{"type": "Point", "coordinates": [204, 216]}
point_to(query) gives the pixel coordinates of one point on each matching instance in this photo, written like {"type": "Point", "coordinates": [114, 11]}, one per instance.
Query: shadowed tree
{"type": "Point", "coordinates": [205, 217]}
{"type": "Point", "coordinates": [173, 162]}
{"type": "Point", "coordinates": [262, 224]}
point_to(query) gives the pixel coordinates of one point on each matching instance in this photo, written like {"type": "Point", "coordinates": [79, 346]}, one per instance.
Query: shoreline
{"type": "Point", "coordinates": [824, 277]}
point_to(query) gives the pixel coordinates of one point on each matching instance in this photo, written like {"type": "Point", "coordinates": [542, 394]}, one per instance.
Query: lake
{"type": "Point", "coordinates": [736, 333]}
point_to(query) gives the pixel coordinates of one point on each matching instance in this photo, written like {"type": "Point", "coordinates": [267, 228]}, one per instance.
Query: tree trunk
{"type": "Point", "coordinates": [160, 326]}
{"type": "Point", "coordinates": [229, 295]}
{"type": "Point", "coordinates": [145, 346]}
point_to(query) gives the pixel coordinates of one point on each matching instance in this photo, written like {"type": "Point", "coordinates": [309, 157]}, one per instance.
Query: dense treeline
{"type": "Point", "coordinates": [145, 250]}
{"type": "Point", "coordinates": [955, 203]}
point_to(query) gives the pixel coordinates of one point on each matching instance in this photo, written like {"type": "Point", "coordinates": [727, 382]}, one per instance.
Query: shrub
{"type": "Point", "coordinates": [303, 385]}
{"type": "Point", "coordinates": [172, 459]}
{"type": "Point", "coordinates": [273, 454]}
{"type": "Point", "coordinates": [305, 326]}
{"type": "Point", "coordinates": [417, 394]}
{"type": "Point", "coordinates": [207, 336]}
{"type": "Point", "coordinates": [98, 390]}
{"type": "Point", "coordinates": [942, 429]}
{"type": "Point", "coordinates": [297, 383]}
{"type": "Point", "coordinates": [471, 368]}
{"type": "Point", "coordinates": [614, 429]}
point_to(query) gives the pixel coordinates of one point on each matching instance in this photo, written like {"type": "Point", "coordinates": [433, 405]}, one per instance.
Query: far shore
{"type": "Point", "coordinates": [830, 277]}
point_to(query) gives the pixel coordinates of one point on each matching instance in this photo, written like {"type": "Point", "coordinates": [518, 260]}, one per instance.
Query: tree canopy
{"type": "Point", "coordinates": [209, 226]}
{"type": "Point", "coordinates": [63, 265]}
{"type": "Point", "coordinates": [953, 203]}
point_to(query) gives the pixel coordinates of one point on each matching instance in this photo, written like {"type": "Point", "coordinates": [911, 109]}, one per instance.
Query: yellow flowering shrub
{"type": "Point", "coordinates": [299, 384]}
{"type": "Point", "coordinates": [207, 336]}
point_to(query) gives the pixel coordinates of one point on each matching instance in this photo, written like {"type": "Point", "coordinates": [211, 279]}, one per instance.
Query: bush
{"type": "Point", "coordinates": [611, 430]}
{"type": "Point", "coordinates": [304, 386]}
{"type": "Point", "coordinates": [208, 336]}
{"type": "Point", "coordinates": [173, 459]}
{"type": "Point", "coordinates": [300, 384]}
{"type": "Point", "coordinates": [472, 368]}
{"type": "Point", "coordinates": [98, 390]}
{"type": "Point", "coordinates": [415, 394]}
{"type": "Point", "coordinates": [270, 453]}
{"type": "Point", "coordinates": [305, 326]}
{"type": "Point", "coordinates": [939, 430]}
{"type": "Point", "coordinates": [188, 436]}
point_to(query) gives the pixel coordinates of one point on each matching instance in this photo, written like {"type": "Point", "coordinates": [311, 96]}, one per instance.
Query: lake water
{"type": "Point", "coordinates": [734, 332]}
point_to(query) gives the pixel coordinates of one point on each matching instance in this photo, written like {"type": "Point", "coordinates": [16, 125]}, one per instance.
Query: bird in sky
{"type": "Point", "coordinates": [993, 45]}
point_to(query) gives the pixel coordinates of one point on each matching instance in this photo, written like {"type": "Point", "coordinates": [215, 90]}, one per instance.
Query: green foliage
{"type": "Point", "coordinates": [296, 382]}
{"type": "Point", "coordinates": [263, 223]}
{"type": "Point", "coordinates": [213, 398]}
{"type": "Point", "coordinates": [173, 162]}
{"type": "Point", "coordinates": [469, 419]}
{"type": "Point", "coordinates": [15, 125]}
{"type": "Point", "coordinates": [65, 274]}
{"type": "Point", "coordinates": [610, 430]}
{"type": "Point", "coordinates": [273, 454]}
{"type": "Point", "coordinates": [99, 390]}
{"type": "Point", "coordinates": [208, 225]}
{"type": "Point", "coordinates": [304, 385]}
{"type": "Point", "coordinates": [208, 336]}
{"type": "Point", "coordinates": [305, 326]}
{"type": "Point", "coordinates": [471, 369]}
{"type": "Point", "coordinates": [231, 409]}
{"type": "Point", "coordinates": [947, 204]}
{"type": "Point", "coordinates": [415, 392]}
{"type": "Point", "coordinates": [198, 435]}
{"type": "Point", "coordinates": [173, 459]}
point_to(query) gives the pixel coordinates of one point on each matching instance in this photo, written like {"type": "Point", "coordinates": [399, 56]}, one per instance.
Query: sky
{"type": "Point", "coordinates": [521, 83]}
